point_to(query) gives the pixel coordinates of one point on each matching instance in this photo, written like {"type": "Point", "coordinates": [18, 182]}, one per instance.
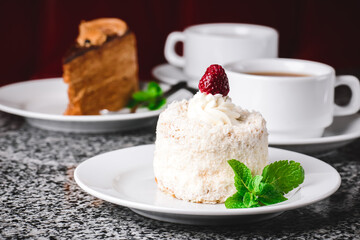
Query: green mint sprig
{"type": "Point", "coordinates": [151, 98]}
{"type": "Point", "coordinates": [277, 179]}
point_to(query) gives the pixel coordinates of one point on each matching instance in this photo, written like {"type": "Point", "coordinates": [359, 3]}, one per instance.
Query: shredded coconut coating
{"type": "Point", "coordinates": [190, 160]}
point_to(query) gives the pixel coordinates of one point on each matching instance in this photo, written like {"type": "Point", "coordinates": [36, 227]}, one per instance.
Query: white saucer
{"type": "Point", "coordinates": [125, 177]}
{"type": "Point", "coordinates": [42, 103]}
{"type": "Point", "coordinates": [342, 131]}
{"type": "Point", "coordinates": [170, 74]}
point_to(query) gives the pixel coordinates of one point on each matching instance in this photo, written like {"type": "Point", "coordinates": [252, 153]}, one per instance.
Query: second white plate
{"type": "Point", "coordinates": [42, 103]}
{"type": "Point", "coordinates": [125, 177]}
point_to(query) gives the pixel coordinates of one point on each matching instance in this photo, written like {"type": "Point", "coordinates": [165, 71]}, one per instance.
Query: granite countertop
{"type": "Point", "coordinates": [40, 199]}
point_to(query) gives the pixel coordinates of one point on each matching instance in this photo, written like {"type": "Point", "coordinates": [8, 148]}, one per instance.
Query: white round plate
{"type": "Point", "coordinates": [171, 75]}
{"type": "Point", "coordinates": [43, 102]}
{"type": "Point", "coordinates": [342, 131]}
{"type": "Point", "coordinates": [125, 177]}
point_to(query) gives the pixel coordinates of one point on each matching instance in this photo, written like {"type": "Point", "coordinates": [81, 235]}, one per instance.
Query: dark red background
{"type": "Point", "coordinates": [35, 34]}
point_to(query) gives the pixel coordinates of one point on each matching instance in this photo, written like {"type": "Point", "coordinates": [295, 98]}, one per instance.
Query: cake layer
{"type": "Point", "coordinates": [102, 77]}
{"type": "Point", "coordinates": [75, 51]}
{"type": "Point", "coordinates": [190, 160]}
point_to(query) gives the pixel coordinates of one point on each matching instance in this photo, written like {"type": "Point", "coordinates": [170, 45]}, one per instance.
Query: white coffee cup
{"type": "Point", "coordinates": [293, 106]}
{"type": "Point", "coordinates": [220, 43]}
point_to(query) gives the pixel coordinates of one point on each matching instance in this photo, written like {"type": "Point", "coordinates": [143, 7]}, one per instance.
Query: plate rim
{"type": "Point", "coordinates": [64, 118]}
{"type": "Point", "coordinates": [205, 212]}
{"type": "Point", "coordinates": [318, 140]}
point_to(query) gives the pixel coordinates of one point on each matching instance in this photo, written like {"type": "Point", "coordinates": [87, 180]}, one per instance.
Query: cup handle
{"type": "Point", "coordinates": [354, 104]}
{"type": "Point", "coordinates": [171, 56]}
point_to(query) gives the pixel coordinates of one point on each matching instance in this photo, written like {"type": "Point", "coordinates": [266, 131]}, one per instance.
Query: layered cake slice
{"type": "Point", "coordinates": [101, 69]}
{"type": "Point", "coordinates": [195, 138]}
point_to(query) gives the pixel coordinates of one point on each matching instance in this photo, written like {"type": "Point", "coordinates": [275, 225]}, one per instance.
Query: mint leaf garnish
{"type": "Point", "coordinates": [242, 176]}
{"type": "Point", "coordinates": [250, 200]}
{"type": "Point", "coordinates": [154, 89]}
{"type": "Point", "coordinates": [157, 103]}
{"type": "Point", "coordinates": [269, 188]}
{"type": "Point", "coordinates": [270, 195]}
{"type": "Point", "coordinates": [284, 175]}
{"type": "Point", "coordinates": [151, 98]}
{"type": "Point", "coordinates": [235, 201]}
{"type": "Point", "coordinates": [256, 184]}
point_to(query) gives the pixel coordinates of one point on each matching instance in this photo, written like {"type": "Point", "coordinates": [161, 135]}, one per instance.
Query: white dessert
{"type": "Point", "coordinates": [194, 140]}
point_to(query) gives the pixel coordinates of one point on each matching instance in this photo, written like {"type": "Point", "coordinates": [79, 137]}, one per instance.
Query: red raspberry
{"type": "Point", "coordinates": [214, 81]}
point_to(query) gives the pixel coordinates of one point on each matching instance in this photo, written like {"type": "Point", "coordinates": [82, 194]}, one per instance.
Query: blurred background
{"type": "Point", "coordinates": [37, 33]}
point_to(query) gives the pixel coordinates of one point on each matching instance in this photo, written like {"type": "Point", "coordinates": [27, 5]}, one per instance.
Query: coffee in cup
{"type": "Point", "coordinates": [296, 97]}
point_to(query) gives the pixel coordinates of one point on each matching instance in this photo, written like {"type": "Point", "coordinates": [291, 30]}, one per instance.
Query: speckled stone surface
{"type": "Point", "coordinates": [39, 198]}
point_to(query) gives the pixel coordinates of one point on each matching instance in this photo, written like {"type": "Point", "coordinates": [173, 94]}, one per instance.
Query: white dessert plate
{"type": "Point", "coordinates": [342, 131]}
{"type": "Point", "coordinates": [125, 177]}
{"type": "Point", "coordinates": [42, 103]}
{"type": "Point", "coordinates": [170, 74]}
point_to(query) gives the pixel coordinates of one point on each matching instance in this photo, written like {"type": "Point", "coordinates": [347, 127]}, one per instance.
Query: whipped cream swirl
{"type": "Point", "coordinates": [214, 109]}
